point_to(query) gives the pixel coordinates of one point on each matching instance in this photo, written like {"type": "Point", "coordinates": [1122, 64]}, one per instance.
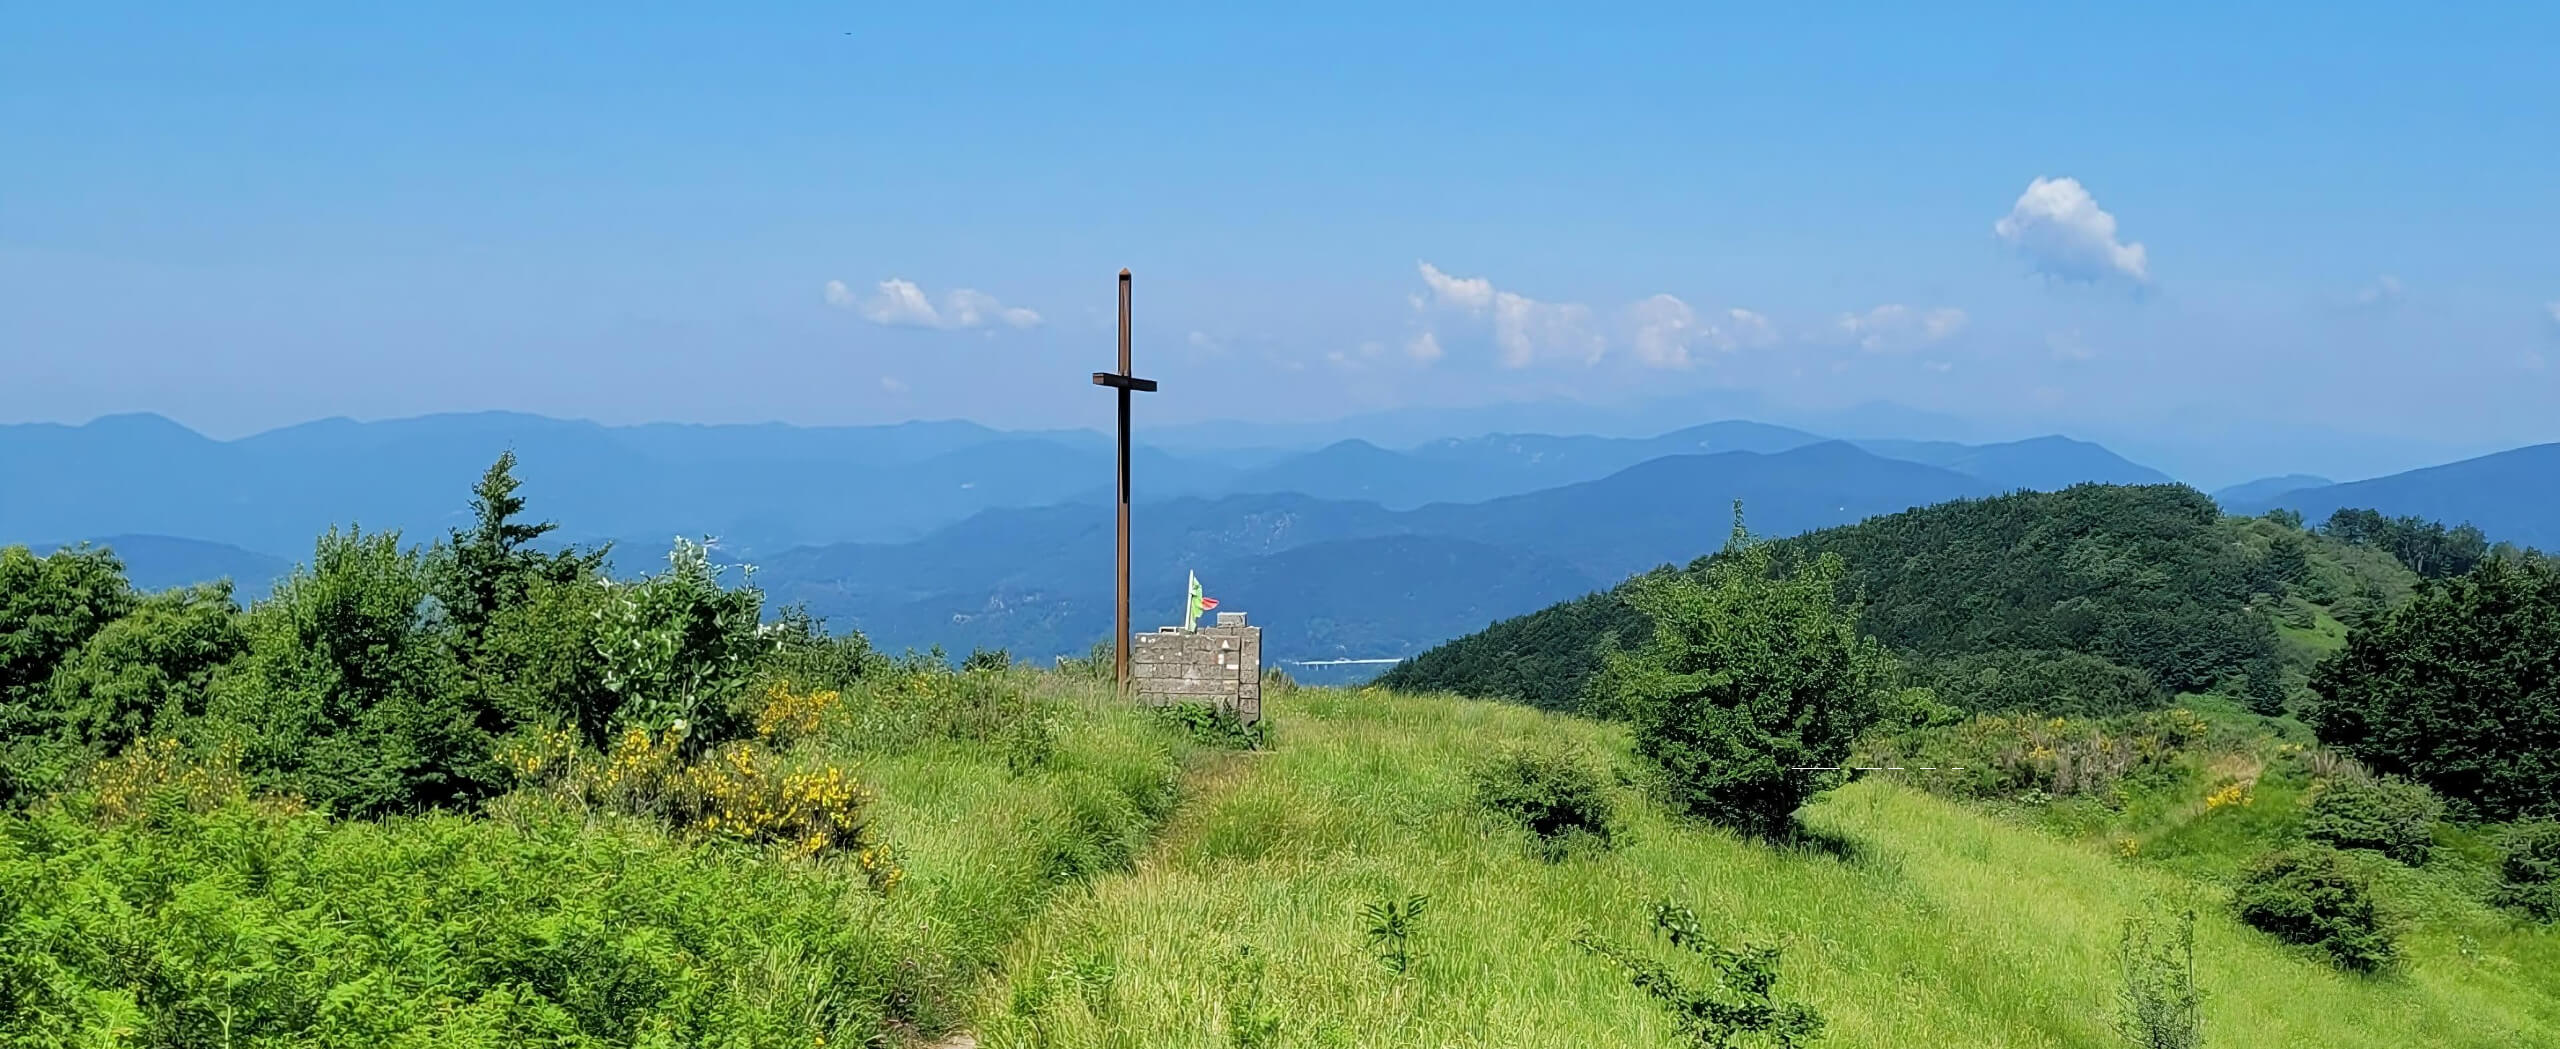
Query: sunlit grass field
{"type": "Point", "coordinates": [1926, 923]}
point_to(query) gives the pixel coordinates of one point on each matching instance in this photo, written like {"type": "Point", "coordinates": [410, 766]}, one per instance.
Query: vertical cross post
{"type": "Point", "coordinates": [1126, 383]}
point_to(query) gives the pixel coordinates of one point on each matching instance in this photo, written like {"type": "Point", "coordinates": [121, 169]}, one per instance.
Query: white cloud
{"type": "Point", "coordinates": [970, 308]}
{"type": "Point", "coordinates": [1524, 329]}
{"type": "Point", "coordinates": [1424, 347]}
{"type": "Point", "coordinates": [2061, 229]}
{"type": "Point", "coordinates": [1665, 326]}
{"type": "Point", "coordinates": [1894, 326]}
{"type": "Point", "coordinates": [891, 384]}
{"type": "Point", "coordinates": [2529, 361]}
{"type": "Point", "coordinates": [1940, 367]}
{"type": "Point", "coordinates": [2552, 308]}
{"type": "Point", "coordinates": [2381, 291]}
{"type": "Point", "coordinates": [1665, 329]}
{"type": "Point", "coordinates": [1750, 330]}
{"type": "Point", "coordinates": [1204, 342]}
{"type": "Point", "coordinates": [901, 304]}
{"type": "Point", "coordinates": [1473, 293]}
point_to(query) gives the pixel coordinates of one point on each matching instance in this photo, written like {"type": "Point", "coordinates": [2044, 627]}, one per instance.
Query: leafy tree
{"type": "Point", "coordinates": [49, 606]}
{"type": "Point", "coordinates": [348, 696]}
{"type": "Point", "coordinates": [148, 671]}
{"type": "Point", "coordinates": [1750, 676]}
{"type": "Point", "coordinates": [2427, 547]}
{"type": "Point", "coordinates": [2459, 690]}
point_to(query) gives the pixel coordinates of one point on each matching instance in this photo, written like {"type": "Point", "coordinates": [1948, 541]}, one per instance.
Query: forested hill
{"type": "Point", "coordinates": [2114, 596]}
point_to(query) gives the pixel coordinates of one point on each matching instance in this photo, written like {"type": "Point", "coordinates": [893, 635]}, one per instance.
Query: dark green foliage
{"type": "Point", "coordinates": [2459, 690]}
{"type": "Point", "coordinates": [2529, 875]}
{"type": "Point", "coordinates": [2391, 816]}
{"type": "Point", "coordinates": [1389, 924]}
{"type": "Point", "coordinates": [148, 671]}
{"type": "Point", "coordinates": [987, 659]}
{"type": "Point", "coordinates": [1216, 726]}
{"type": "Point", "coordinates": [2160, 1007]}
{"type": "Point", "coordinates": [2427, 547]}
{"type": "Point", "coordinates": [1748, 677]}
{"type": "Point", "coordinates": [1741, 1004]}
{"type": "Point", "coordinates": [490, 569]}
{"type": "Point", "coordinates": [2070, 684]}
{"type": "Point", "coordinates": [1545, 659]}
{"type": "Point", "coordinates": [2310, 897]}
{"type": "Point", "coordinates": [1550, 791]}
{"type": "Point", "coordinates": [349, 697]}
{"type": "Point", "coordinates": [49, 606]}
{"type": "Point", "coordinates": [2150, 578]}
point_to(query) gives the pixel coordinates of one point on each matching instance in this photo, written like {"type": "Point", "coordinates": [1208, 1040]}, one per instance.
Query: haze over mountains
{"type": "Point", "coordinates": [961, 535]}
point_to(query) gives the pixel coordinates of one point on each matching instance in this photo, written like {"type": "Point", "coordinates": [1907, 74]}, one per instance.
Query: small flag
{"type": "Point", "coordinates": [1191, 609]}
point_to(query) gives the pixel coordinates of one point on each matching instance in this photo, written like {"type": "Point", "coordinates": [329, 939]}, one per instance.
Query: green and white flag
{"type": "Point", "coordinates": [1197, 604]}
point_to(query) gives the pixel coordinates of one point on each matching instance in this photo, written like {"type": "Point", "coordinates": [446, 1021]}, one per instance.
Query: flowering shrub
{"type": "Point", "coordinates": [740, 791]}
{"type": "Point", "coordinates": [790, 715]}
{"type": "Point", "coordinates": [159, 775]}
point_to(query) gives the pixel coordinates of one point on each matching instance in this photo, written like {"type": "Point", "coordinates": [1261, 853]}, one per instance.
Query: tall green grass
{"type": "Point", "coordinates": [1922, 922]}
{"type": "Point", "coordinates": [253, 923]}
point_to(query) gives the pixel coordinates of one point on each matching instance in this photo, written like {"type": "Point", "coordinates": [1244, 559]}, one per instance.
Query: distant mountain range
{"type": "Point", "coordinates": [158, 562]}
{"type": "Point", "coordinates": [957, 534]}
{"type": "Point", "coordinates": [2513, 496]}
{"type": "Point", "coordinates": [765, 488]}
{"type": "Point", "coordinates": [2256, 496]}
{"type": "Point", "coordinates": [1039, 581]}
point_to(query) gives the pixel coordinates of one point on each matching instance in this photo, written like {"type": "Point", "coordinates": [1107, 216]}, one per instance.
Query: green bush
{"type": "Point", "coordinates": [148, 671]}
{"type": "Point", "coordinates": [2454, 690]}
{"type": "Point", "coordinates": [2310, 897]}
{"type": "Point", "coordinates": [1216, 726]}
{"type": "Point", "coordinates": [2530, 872]}
{"type": "Point", "coordinates": [2391, 816]}
{"type": "Point", "coordinates": [1749, 678]}
{"type": "Point", "coordinates": [679, 648]}
{"type": "Point", "coordinates": [1550, 791]}
{"type": "Point", "coordinates": [349, 697]}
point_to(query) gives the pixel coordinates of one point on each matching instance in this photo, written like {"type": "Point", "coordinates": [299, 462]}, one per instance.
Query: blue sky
{"type": "Point", "coordinates": [2345, 214]}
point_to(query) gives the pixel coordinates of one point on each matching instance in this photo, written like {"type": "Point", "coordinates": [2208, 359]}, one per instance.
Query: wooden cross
{"type": "Point", "coordinates": [1126, 383]}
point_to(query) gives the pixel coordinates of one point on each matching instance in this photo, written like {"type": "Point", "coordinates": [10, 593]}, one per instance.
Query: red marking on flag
{"type": "Point", "coordinates": [1208, 603]}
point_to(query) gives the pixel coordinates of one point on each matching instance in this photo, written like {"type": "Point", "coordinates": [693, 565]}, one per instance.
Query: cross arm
{"type": "Point", "coordinates": [1125, 382]}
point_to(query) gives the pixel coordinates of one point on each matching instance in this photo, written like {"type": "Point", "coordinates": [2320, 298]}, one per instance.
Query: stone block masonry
{"type": "Point", "coordinates": [1220, 664]}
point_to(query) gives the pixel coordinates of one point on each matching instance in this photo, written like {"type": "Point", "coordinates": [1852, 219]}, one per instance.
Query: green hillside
{"type": "Point", "coordinates": [2151, 579]}
{"type": "Point", "coordinates": [474, 792]}
{"type": "Point", "coordinates": [1926, 922]}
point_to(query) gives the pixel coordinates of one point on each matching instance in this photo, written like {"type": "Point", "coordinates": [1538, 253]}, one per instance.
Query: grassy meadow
{"type": "Point", "coordinates": [1914, 920]}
